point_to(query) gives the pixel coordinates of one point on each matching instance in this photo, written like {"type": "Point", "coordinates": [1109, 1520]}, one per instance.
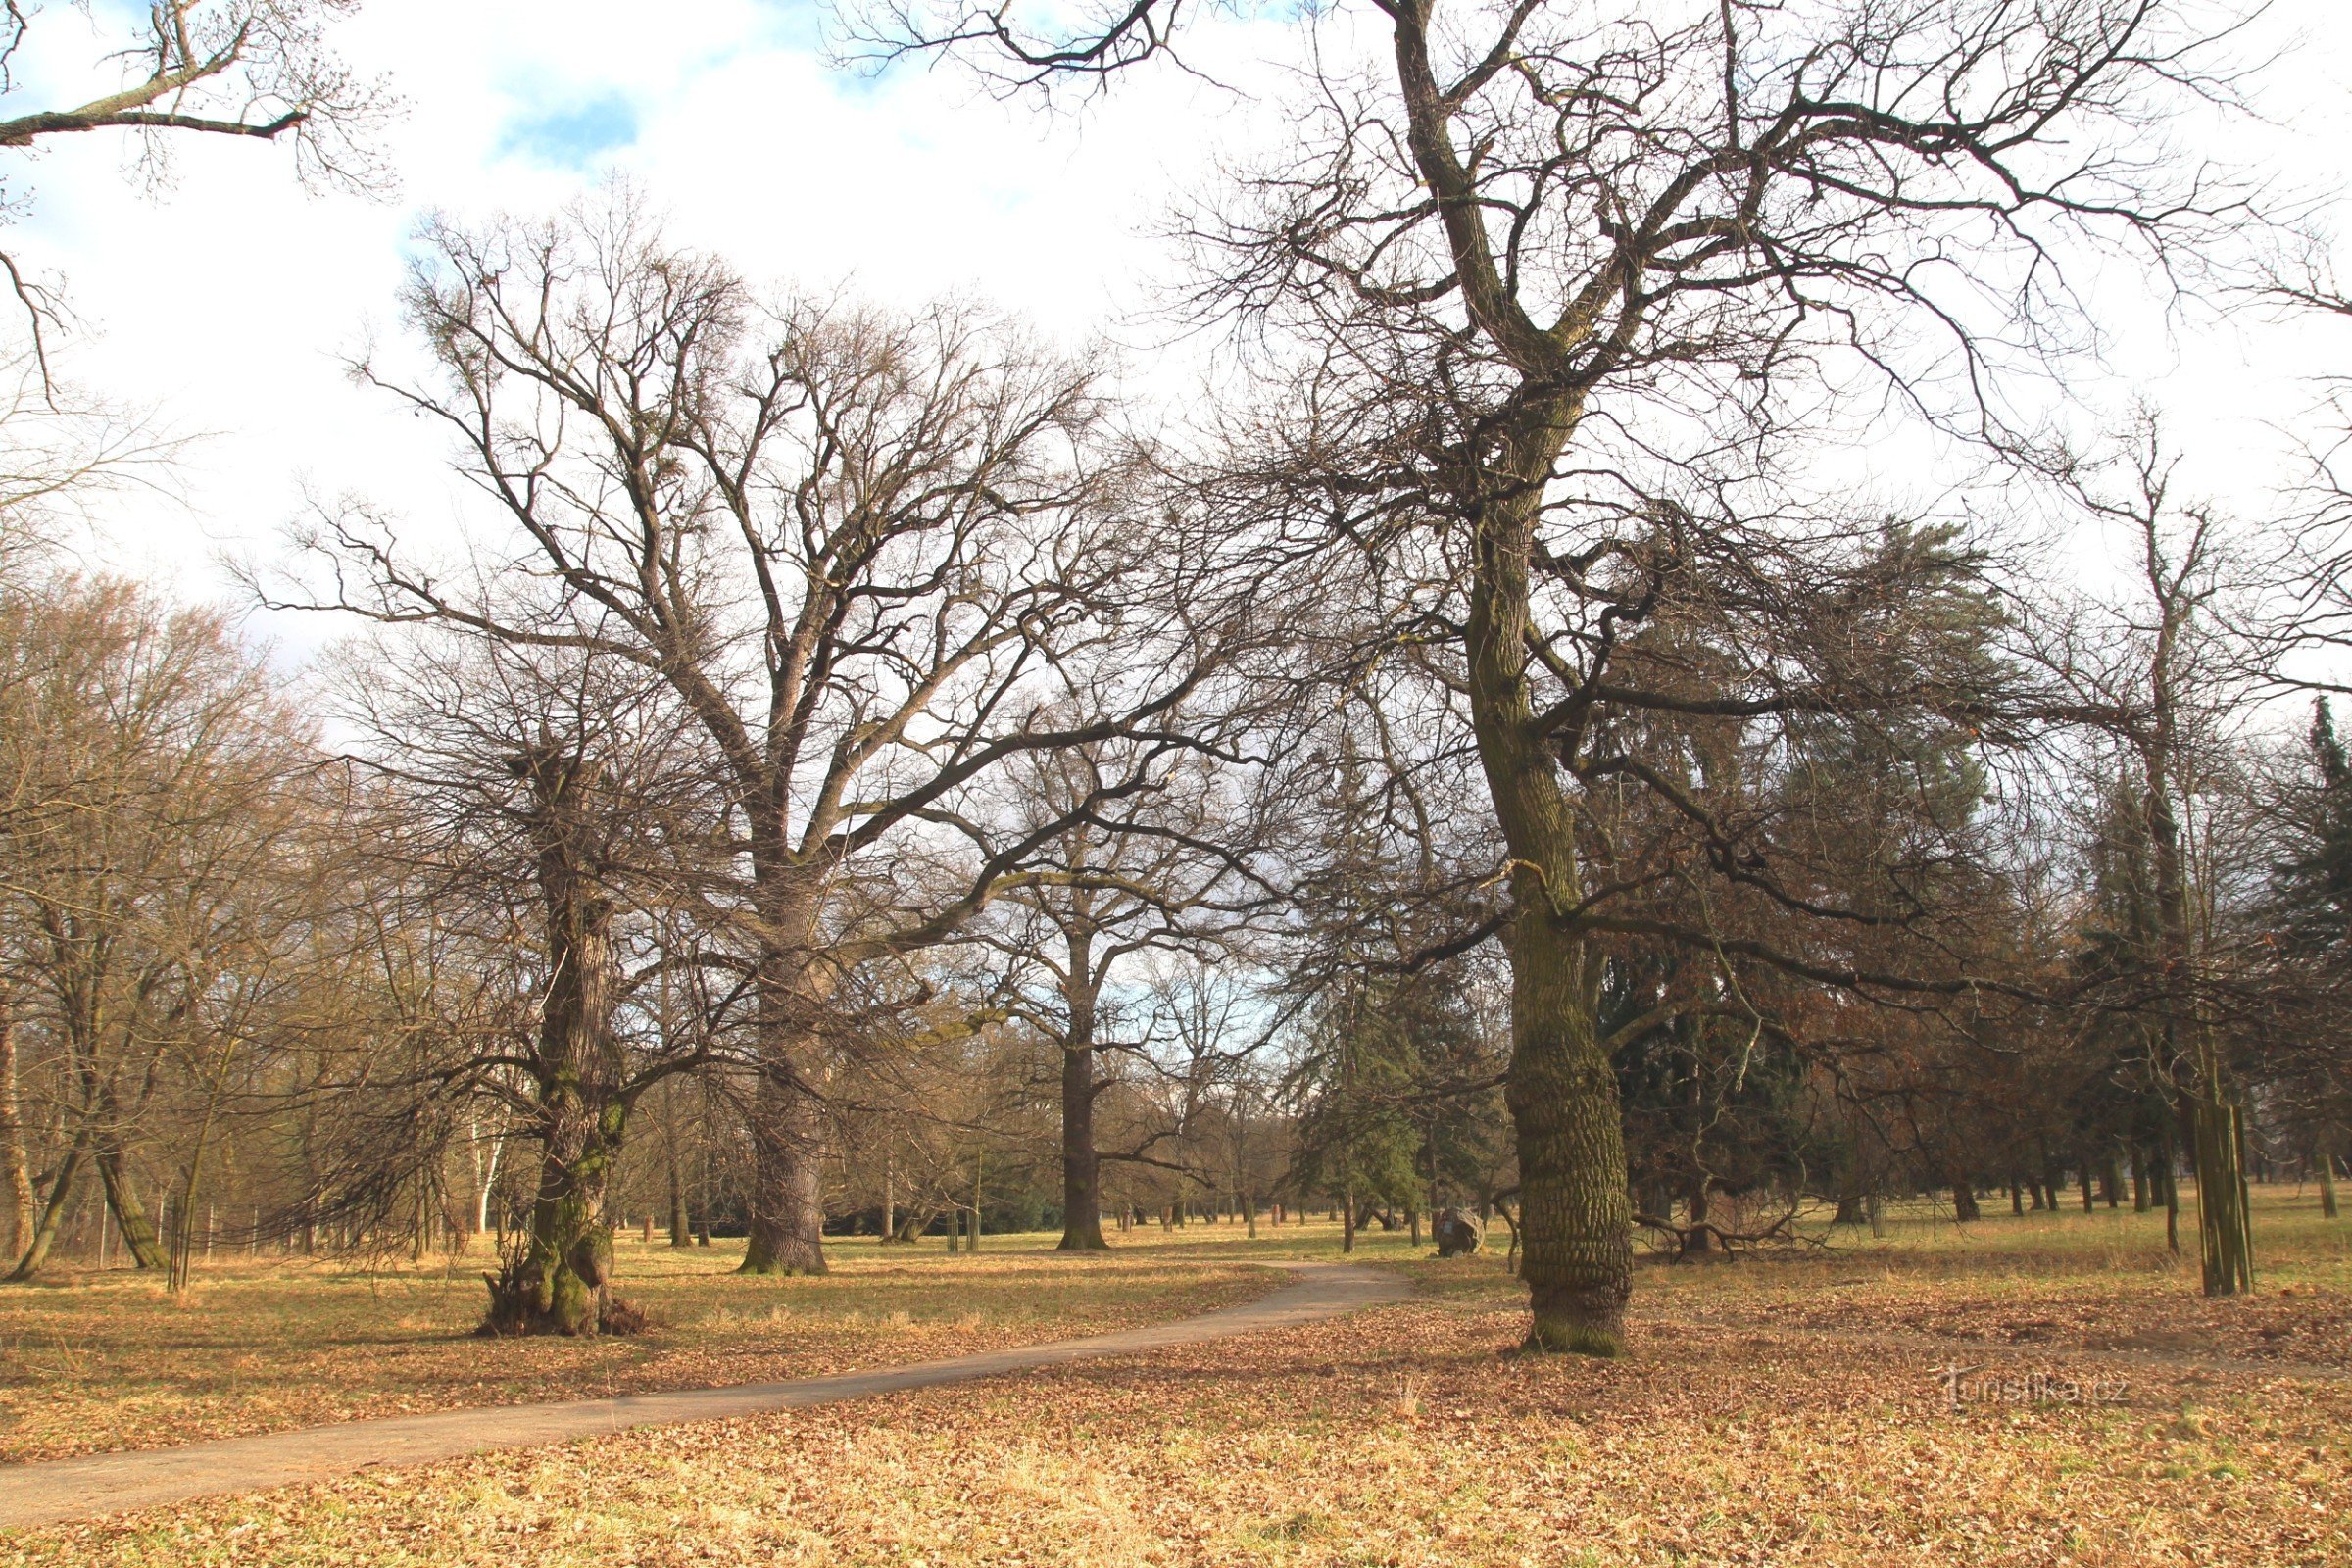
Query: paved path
{"type": "Point", "coordinates": [62, 1490]}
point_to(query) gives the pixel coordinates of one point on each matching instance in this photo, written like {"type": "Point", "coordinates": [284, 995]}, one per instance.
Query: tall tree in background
{"type": "Point", "coordinates": [876, 557]}
{"type": "Point", "coordinates": [152, 771]}
{"type": "Point", "coordinates": [1165, 872]}
{"type": "Point", "coordinates": [2172, 669]}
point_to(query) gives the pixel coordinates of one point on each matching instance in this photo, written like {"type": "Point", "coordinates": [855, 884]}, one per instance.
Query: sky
{"type": "Point", "coordinates": [224, 306]}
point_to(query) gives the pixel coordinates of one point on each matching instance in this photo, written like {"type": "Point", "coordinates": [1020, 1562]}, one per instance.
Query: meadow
{"type": "Point", "coordinates": [2050, 1388]}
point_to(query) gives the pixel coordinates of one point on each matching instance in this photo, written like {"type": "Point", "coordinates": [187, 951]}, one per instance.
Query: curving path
{"type": "Point", "coordinates": [59, 1490]}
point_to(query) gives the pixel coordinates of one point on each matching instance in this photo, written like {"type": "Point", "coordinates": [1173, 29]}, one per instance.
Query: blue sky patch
{"type": "Point", "coordinates": [572, 137]}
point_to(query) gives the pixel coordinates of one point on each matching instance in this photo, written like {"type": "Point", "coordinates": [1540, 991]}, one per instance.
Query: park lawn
{"type": "Point", "coordinates": [1738, 1431]}
{"type": "Point", "coordinates": [2101, 1282]}
{"type": "Point", "coordinates": [96, 1361]}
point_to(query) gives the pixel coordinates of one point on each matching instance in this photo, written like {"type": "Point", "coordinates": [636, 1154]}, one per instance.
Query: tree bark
{"type": "Point", "coordinates": [1561, 1087]}
{"type": "Point", "coordinates": [569, 1262]}
{"type": "Point", "coordinates": [787, 1199]}
{"type": "Point", "coordinates": [130, 1215]}
{"type": "Point", "coordinates": [559, 1286]}
{"type": "Point", "coordinates": [681, 1233]}
{"type": "Point", "coordinates": [2326, 1153]}
{"type": "Point", "coordinates": [53, 1212]}
{"type": "Point", "coordinates": [15, 1175]}
{"type": "Point", "coordinates": [786, 1221]}
{"type": "Point", "coordinates": [1081, 1165]}
{"type": "Point", "coordinates": [2224, 1222]}
{"type": "Point", "coordinates": [1575, 1213]}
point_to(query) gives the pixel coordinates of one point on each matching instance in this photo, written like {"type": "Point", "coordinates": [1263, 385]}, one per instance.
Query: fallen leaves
{"type": "Point", "coordinates": [100, 1362]}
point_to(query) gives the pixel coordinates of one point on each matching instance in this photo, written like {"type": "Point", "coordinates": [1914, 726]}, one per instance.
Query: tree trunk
{"type": "Point", "coordinates": [1081, 1166]}
{"type": "Point", "coordinates": [570, 1261]}
{"type": "Point", "coordinates": [2326, 1153]}
{"type": "Point", "coordinates": [1964, 1199]}
{"type": "Point", "coordinates": [787, 1198]}
{"type": "Point", "coordinates": [1561, 1089]}
{"type": "Point", "coordinates": [2224, 1222]}
{"type": "Point", "coordinates": [558, 1286]}
{"type": "Point", "coordinates": [1699, 1241]}
{"type": "Point", "coordinates": [979, 1165]}
{"type": "Point", "coordinates": [53, 1212]}
{"type": "Point", "coordinates": [1575, 1213]}
{"type": "Point", "coordinates": [130, 1215]}
{"type": "Point", "coordinates": [15, 1175]}
{"type": "Point", "coordinates": [2167, 1173]}
{"type": "Point", "coordinates": [680, 1229]}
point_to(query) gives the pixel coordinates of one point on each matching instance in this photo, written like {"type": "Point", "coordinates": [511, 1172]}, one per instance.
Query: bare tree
{"type": "Point", "coordinates": [139, 909]}
{"type": "Point", "coordinates": [1566, 275]}
{"type": "Point", "coordinates": [1168, 872]}
{"type": "Point", "coordinates": [874, 557]}
{"type": "Point", "coordinates": [549, 795]}
{"type": "Point", "coordinates": [2175, 668]}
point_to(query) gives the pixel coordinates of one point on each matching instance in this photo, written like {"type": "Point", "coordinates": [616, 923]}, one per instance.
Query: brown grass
{"type": "Point", "coordinates": [91, 1362]}
{"type": "Point", "coordinates": [1772, 1413]}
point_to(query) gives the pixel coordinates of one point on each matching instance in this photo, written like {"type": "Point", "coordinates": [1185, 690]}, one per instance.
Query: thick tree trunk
{"type": "Point", "coordinates": [568, 1261]}
{"type": "Point", "coordinates": [787, 1199]}
{"type": "Point", "coordinates": [1698, 1239]}
{"type": "Point", "coordinates": [1561, 1087]}
{"type": "Point", "coordinates": [1574, 1212]}
{"type": "Point", "coordinates": [560, 1285]}
{"type": "Point", "coordinates": [1081, 1165]}
{"type": "Point", "coordinates": [1964, 1198]}
{"type": "Point", "coordinates": [2326, 1157]}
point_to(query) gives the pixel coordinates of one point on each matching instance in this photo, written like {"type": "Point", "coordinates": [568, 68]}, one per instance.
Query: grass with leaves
{"type": "Point", "coordinates": [1798, 1409]}
{"type": "Point", "coordinates": [91, 1361]}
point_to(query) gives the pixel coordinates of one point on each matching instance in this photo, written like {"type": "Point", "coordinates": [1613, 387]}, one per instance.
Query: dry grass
{"type": "Point", "coordinates": [90, 1361]}
{"type": "Point", "coordinates": [1772, 1413]}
